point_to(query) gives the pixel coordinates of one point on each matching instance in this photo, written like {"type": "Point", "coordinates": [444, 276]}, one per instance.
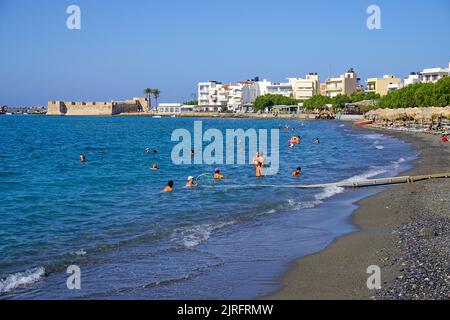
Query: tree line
{"type": "Point", "coordinates": [418, 95]}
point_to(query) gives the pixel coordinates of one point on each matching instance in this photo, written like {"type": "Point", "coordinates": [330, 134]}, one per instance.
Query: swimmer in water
{"type": "Point", "coordinates": [154, 166]}
{"type": "Point", "coordinates": [217, 174]}
{"type": "Point", "coordinates": [317, 141]}
{"type": "Point", "coordinates": [147, 150]}
{"type": "Point", "coordinates": [82, 158]}
{"type": "Point", "coordinates": [169, 187]}
{"type": "Point", "coordinates": [291, 145]}
{"type": "Point", "coordinates": [190, 182]}
{"type": "Point", "coordinates": [258, 169]}
{"type": "Point", "coordinates": [297, 172]}
{"type": "Point", "coordinates": [155, 150]}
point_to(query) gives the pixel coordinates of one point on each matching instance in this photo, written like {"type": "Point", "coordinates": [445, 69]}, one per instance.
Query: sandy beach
{"type": "Point", "coordinates": [405, 230]}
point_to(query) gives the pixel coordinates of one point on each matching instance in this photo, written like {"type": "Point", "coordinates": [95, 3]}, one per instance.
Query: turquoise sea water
{"type": "Point", "coordinates": [109, 217]}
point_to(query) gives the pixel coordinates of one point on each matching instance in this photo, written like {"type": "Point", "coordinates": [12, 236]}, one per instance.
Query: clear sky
{"type": "Point", "coordinates": [126, 46]}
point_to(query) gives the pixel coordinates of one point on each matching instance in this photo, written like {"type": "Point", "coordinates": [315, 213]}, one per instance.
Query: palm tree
{"type": "Point", "coordinates": [148, 92]}
{"type": "Point", "coordinates": [156, 94]}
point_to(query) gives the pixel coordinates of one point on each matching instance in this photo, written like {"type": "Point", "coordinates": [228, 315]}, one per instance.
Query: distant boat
{"type": "Point", "coordinates": [362, 123]}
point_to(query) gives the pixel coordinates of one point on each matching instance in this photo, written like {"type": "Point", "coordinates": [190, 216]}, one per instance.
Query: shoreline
{"type": "Point", "coordinates": [393, 227]}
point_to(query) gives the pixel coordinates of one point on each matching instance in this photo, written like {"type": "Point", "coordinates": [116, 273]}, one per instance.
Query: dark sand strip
{"type": "Point", "coordinates": [405, 230]}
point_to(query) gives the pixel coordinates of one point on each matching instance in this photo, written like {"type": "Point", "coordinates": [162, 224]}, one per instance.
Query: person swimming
{"type": "Point", "coordinates": [297, 172]}
{"type": "Point", "coordinates": [316, 141]}
{"type": "Point", "coordinates": [147, 150]}
{"type": "Point", "coordinates": [155, 150]}
{"type": "Point", "coordinates": [169, 187]}
{"type": "Point", "coordinates": [82, 158]}
{"type": "Point", "coordinates": [190, 182]}
{"type": "Point", "coordinates": [258, 169]}
{"type": "Point", "coordinates": [291, 145]}
{"type": "Point", "coordinates": [154, 166]}
{"type": "Point", "coordinates": [217, 174]}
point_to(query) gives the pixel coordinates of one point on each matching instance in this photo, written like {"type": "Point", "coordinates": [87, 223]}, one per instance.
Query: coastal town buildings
{"type": "Point", "coordinates": [305, 88]}
{"type": "Point", "coordinates": [434, 74]}
{"type": "Point", "coordinates": [344, 84]}
{"type": "Point", "coordinates": [233, 97]}
{"type": "Point", "coordinates": [381, 85]}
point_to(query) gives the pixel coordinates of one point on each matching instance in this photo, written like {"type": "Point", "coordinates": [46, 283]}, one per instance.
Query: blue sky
{"type": "Point", "coordinates": [126, 46]}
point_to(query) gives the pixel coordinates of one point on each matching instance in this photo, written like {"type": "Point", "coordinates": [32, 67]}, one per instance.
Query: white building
{"type": "Point", "coordinates": [214, 96]}
{"type": "Point", "coordinates": [174, 108]}
{"type": "Point", "coordinates": [434, 74]}
{"type": "Point", "coordinates": [208, 93]}
{"type": "Point", "coordinates": [303, 89]}
{"type": "Point", "coordinates": [269, 87]}
{"type": "Point", "coordinates": [413, 77]}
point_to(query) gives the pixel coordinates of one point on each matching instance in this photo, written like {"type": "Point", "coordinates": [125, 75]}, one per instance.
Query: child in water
{"type": "Point", "coordinates": [82, 158]}
{"type": "Point", "coordinates": [169, 187]}
{"type": "Point", "coordinates": [297, 172]}
{"type": "Point", "coordinates": [217, 174]}
{"type": "Point", "coordinates": [154, 166]}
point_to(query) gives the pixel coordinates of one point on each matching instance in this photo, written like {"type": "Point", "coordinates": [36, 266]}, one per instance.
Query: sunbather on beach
{"type": "Point", "coordinates": [444, 138]}
{"type": "Point", "coordinates": [169, 187]}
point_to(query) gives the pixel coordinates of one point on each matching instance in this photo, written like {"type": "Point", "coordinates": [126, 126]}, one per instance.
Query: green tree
{"type": "Point", "coordinates": [316, 102]}
{"type": "Point", "coordinates": [148, 92]}
{"type": "Point", "coordinates": [269, 100]}
{"type": "Point", "coordinates": [156, 94]}
{"type": "Point", "coordinates": [340, 100]}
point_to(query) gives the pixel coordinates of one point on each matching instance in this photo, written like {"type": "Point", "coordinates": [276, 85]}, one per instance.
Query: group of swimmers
{"type": "Point", "coordinates": [258, 162]}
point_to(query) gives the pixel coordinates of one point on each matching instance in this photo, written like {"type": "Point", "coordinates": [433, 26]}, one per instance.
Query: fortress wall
{"type": "Point", "coordinates": [55, 108]}
{"type": "Point", "coordinates": [88, 108]}
{"type": "Point", "coordinates": [124, 107]}
{"type": "Point", "coordinates": [92, 108]}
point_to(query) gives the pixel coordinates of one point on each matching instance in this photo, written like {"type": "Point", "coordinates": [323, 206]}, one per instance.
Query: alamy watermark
{"type": "Point", "coordinates": [374, 20]}
{"type": "Point", "coordinates": [235, 141]}
{"type": "Point", "coordinates": [73, 22]}
{"type": "Point", "coordinates": [374, 280]}
{"type": "Point", "coordinates": [74, 280]}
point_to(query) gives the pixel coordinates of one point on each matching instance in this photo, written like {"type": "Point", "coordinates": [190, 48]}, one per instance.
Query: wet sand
{"type": "Point", "coordinates": [405, 230]}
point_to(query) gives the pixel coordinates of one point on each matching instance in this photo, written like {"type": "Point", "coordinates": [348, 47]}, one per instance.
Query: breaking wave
{"type": "Point", "coordinates": [18, 279]}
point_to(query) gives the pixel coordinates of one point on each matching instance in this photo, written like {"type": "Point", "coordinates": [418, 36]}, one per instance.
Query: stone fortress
{"type": "Point", "coordinates": [93, 108]}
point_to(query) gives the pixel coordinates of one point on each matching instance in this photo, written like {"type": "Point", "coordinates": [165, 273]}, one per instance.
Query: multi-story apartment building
{"type": "Point", "coordinates": [208, 93]}
{"type": "Point", "coordinates": [269, 87]}
{"type": "Point", "coordinates": [434, 74]}
{"type": "Point", "coordinates": [345, 84]}
{"type": "Point", "coordinates": [381, 85]}
{"type": "Point", "coordinates": [303, 89]}
{"type": "Point", "coordinates": [215, 95]}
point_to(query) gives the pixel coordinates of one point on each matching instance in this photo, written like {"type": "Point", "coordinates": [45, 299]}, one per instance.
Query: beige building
{"type": "Point", "coordinates": [94, 108]}
{"type": "Point", "coordinates": [345, 84]}
{"type": "Point", "coordinates": [382, 85]}
{"type": "Point", "coordinates": [303, 89]}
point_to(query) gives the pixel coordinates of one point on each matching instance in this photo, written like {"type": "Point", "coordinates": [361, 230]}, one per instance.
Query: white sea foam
{"type": "Point", "coordinates": [379, 147]}
{"type": "Point", "coordinates": [328, 192]}
{"type": "Point", "coordinates": [194, 235]}
{"type": "Point", "coordinates": [374, 136]}
{"type": "Point", "coordinates": [16, 280]}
